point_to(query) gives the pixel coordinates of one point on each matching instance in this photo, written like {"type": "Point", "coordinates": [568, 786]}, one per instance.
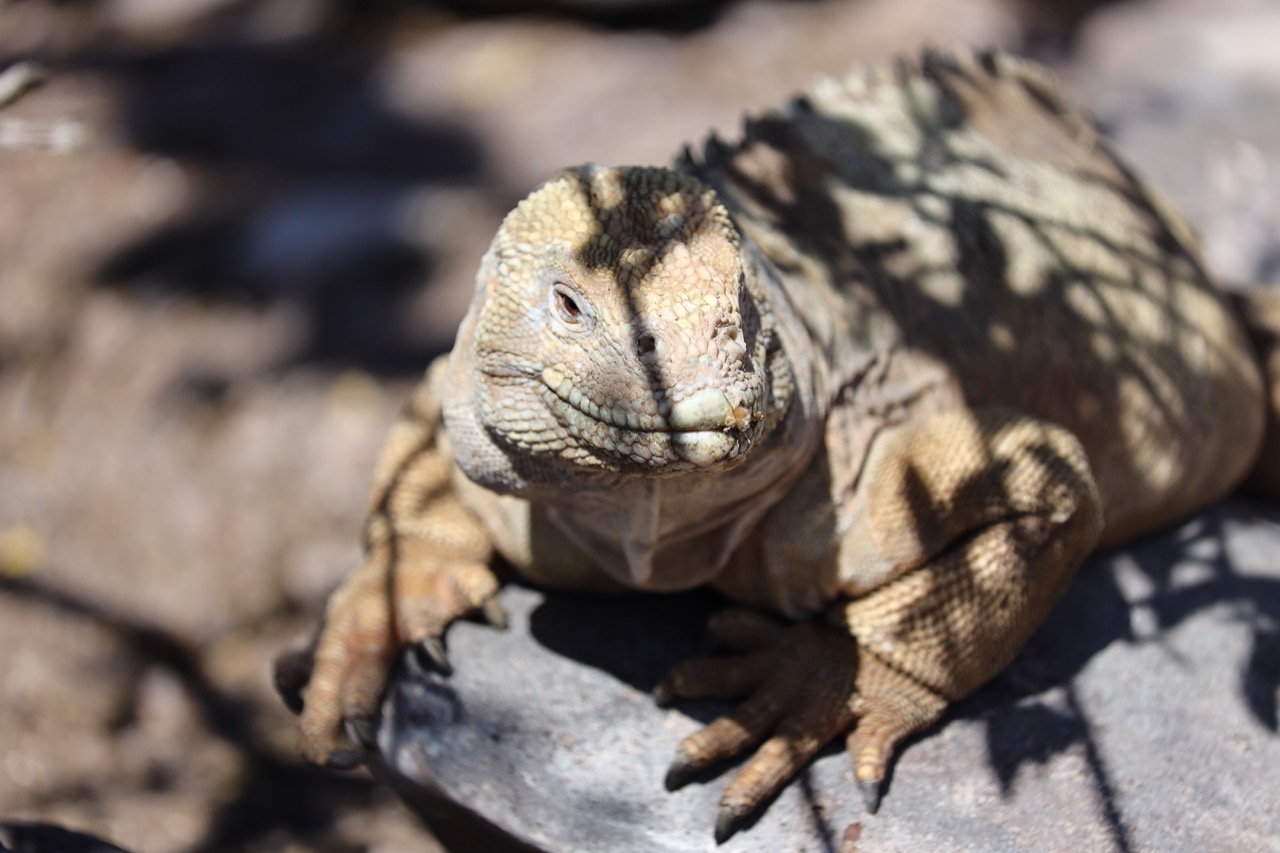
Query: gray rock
{"type": "Point", "coordinates": [1143, 716]}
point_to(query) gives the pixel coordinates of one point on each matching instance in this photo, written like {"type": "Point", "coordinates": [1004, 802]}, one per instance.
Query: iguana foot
{"type": "Point", "coordinates": [391, 603]}
{"type": "Point", "coordinates": [805, 685]}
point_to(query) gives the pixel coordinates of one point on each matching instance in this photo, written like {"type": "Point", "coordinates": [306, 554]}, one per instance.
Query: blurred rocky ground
{"type": "Point", "coordinates": [232, 233]}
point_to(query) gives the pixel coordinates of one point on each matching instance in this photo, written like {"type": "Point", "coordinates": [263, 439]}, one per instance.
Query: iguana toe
{"type": "Point", "coordinates": [801, 694]}
{"type": "Point", "coordinates": [891, 707]}
{"type": "Point", "coordinates": [743, 630]}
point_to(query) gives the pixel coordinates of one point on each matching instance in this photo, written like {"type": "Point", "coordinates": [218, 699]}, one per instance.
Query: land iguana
{"type": "Point", "coordinates": [884, 372]}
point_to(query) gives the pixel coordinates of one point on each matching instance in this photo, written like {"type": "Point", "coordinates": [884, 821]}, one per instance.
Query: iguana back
{"type": "Point", "coordinates": [956, 234]}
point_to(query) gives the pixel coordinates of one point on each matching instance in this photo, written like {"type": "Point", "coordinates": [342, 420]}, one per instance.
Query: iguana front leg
{"type": "Point", "coordinates": [426, 565]}
{"type": "Point", "coordinates": [965, 529]}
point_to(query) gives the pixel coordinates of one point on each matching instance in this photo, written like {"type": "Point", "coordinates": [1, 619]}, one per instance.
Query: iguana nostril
{"type": "Point", "coordinates": [646, 347]}
{"type": "Point", "coordinates": [731, 342]}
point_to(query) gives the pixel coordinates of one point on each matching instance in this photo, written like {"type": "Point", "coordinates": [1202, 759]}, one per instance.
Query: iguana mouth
{"type": "Point", "coordinates": [703, 429]}
{"type": "Point", "coordinates": [709, 410]}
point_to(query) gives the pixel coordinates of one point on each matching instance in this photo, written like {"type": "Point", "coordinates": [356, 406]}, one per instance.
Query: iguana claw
{"type": "Point", "coordinates": [493, 614]}
{"type": "Point", "coordinates": [343, 759]}
{"type": "Point", "coordinates": [664, 695]}
{"type": "Point", "coordinates": [681, 770]}
{"type": "Point", "coordinates": [870, 794]}
{"type": "Point", "coordinates": [431, 656]}
{"type": "Point", "coordinates": [362, 732]}
{"type": "Point", "coordinates": [727, 822]}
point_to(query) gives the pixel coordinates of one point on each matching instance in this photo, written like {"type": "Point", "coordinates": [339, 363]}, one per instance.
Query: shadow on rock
{"type": "Point", "coordinates": [269, 795]}
{"type": "Point", "coordinates": [635, 638]}
{"type": "Point", "coordinates": [21, 837]}
{"type": "Point", "coordinates": [670, 16]}
{"type": "Point", "coordinates": [310, 192]}
{"type": "Point", "coordinates": [1095, 612]}
{"type": "Point", "coordinates": [293, 110]}
{"type": "Point", "coordinates": [1187, 572]}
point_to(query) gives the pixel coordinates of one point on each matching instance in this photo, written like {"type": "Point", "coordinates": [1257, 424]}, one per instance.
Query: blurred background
{"type": "Point", "coordinates": [234, 232]}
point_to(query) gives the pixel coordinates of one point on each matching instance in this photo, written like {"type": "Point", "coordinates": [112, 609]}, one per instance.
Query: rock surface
{"type": "Point", "coordinates": [1141, 717]}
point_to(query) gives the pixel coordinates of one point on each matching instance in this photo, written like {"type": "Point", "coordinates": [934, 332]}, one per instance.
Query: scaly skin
{"type": "Point", "coordinates": [889, 367]}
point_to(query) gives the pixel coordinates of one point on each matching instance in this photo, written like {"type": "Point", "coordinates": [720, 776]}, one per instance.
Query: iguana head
{"type": "Point", "coordinates": [613, 328]}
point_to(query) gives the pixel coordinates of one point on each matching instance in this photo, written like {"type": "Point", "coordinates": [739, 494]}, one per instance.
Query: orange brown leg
{"type": "Point", "coordinates": [979, 521]}
{"type": "Point", "coordinates": [426, 565]}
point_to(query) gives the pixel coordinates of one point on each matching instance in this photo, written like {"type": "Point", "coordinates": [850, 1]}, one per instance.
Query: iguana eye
{"type": "Point", "coordinates": [570, 307]}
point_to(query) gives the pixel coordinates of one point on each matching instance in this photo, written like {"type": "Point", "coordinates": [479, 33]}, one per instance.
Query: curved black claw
{"type": "Point", "coordinates": [680, 772]}
{"type": "Point", "coordinates": [430, 655]}
{"type": "Point", "coordinates": [664, 695]}
{"type": "Point", "coordinates": [870, 794]}
{"type": "Point", "coordinates": [728, 821]}
{"type": "Point", "coordinates": [343, 759]}
{"type": "Point", "coordinates": [362, 732]}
